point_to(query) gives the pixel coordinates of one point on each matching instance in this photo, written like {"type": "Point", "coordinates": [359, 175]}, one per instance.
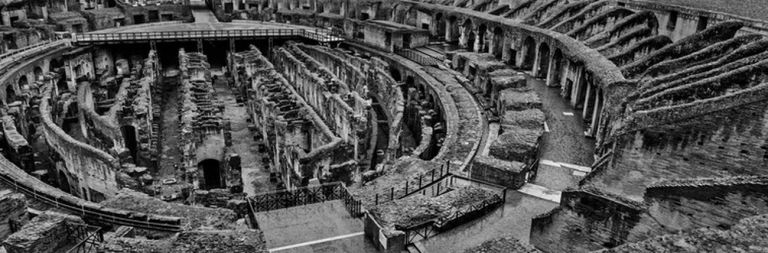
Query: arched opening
{"type": "Point", "coordinates": [129, 136]}
{"type": "Point", "coordinates": [498, 42]}
{"type": "Point", "coordinates": [395, 74]}
{"type": "Point", "coordinates": [409, 83]}
{"type": "Point", "coordinates": [38, 73]}
{"type": "Point", "coordinates": [557, 68]}
{"type": "Point", "coordinates": [529, 53]}
{"type": "Point", "coordinates": [364, 16]}
{"type": "Point", "coordinates": [467, 39]}
{"type": "Point", "coordinates": [482, 39]}
{"type": "Point", "coordinates": [63, 182]}
{"type": "Point", "coordinates": [54, 65]}
{"type": "Point", "coordinates": [440, 25]}
{"type": "Point", "coordinates": [211, 173]}
{"type": "Point", "coordinates": [543, 67]}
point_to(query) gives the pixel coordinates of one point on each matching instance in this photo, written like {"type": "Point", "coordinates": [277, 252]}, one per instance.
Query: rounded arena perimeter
{"type": "Point", "coordinates": [383, 126]}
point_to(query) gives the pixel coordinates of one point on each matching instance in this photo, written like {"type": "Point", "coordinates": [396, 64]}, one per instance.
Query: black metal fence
{"type": "Point", "coordinates": [415, 184]}
{"type": "Point", "coordinates": [304, 196]}
{"type": "Point", "coordinates": [88, 237]}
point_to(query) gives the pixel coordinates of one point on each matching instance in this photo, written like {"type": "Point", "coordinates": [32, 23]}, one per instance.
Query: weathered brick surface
{"type": "Point", "coordinates": [497, 171]}
{"type": "Point", "coordinates": [727, 143]}
{"type": "Point", "coordinates": [707, 205]}
{"type": "Point", "coordinates": [756, 9]}
{"type": "Point", "coordinates": [45, 233]}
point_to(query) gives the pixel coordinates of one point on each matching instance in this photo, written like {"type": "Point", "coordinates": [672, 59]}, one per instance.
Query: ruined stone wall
{"type": "Point", "coordinates": [587, 220]}
{"type": "Point", "coordinates": [95, 169]}
{"type": "Point", "coordinates": [688, 204]}
{"type": "Point", "coordinates": [136, 14]}
{"type": "Point", "coordinates": [726, 143]}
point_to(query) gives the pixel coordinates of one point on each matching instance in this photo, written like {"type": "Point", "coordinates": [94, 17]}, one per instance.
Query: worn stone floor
{"type": "Point", "coordinates": [563, 143]}
{"type": "Point", "coordinates": [255, 175]}
{"type": "Point", "coordinates": [169, 146]}
{"type": "Point", "coordinates": [320, 227]}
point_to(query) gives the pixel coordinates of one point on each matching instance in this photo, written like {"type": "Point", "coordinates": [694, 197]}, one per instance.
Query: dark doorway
{"type": "Point", "coordinates": [212, 173]}
{"type": "Point", "coordinates": [64, 182]}
{"type": "Point", "coordinates": [129, 135]}
{"type": "Point", "coordinates": [406, 40]}
{"type": "Point", "coordinates": [529, 51]}
{"type": "Point", "coordinates": [138, 19]}
{"type": "Point", "coordinates": [154, 16]}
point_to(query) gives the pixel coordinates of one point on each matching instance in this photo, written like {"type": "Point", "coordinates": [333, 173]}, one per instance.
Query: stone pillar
{"type": "Point", "coordinates": [564, 73]}
{"type": "Point", "coordinates": [478, 44]}
{"type": "Point", "coordinates": [598, 109]}
{"type": "Point", "coordinates": [449, 31]}
{"type": "Point", "coordinates": [577, 87]}
{"type": "Point", "coordinates": [551, 70]}
{"type": "Point", "coordinates": [506, 49]}
{"type": "Point", "coordinates": [536, 60]}
{"type": "Point", "coordinates": [585, 110]}
{"type": "Point", "coordinates": [464, 38]}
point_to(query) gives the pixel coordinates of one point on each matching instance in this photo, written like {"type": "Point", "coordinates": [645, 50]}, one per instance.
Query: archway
{"type": "Point", "coordinates": [211, 173]}
{"type": "Point", "coordinates": [439, 25]}
{"type": "Point", "coordinates": [64, 182]}
{"type": "Point", "coordinates": [543, 57]}
{"type": "Point", "coordinates": [453, 32]}
{"type": "Point", "coordinates": [38, 73]}
{"type": "Point", "coordinates": [395, 74]}
{"type": "Point", "coordinates": [557, 68]}
{"type": "Point", "coordinates": [409, 83]}
{"type": "Point", "coordinates": [129, 136]}
{"type": "Point", "coordinates": [482, 39]}
{"type": "Point", "coordinates": [529, 53]}
{"type": "Point", "coordinates": [467, 39]}
{"type": "Point", "coordinates": [498, 42]}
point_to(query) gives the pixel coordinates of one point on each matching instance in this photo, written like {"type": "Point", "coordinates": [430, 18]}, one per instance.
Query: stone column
{"type": "Point", "coordinates": [598, 109]}
{"type": "Point", "coordinates": [551, 70]}
{"type": "Point", "coordinates": [536, 60]}
{"type": "Point", "coordinates": [478, 45]}
{"type": "Point", "coordinates": [585, 110]}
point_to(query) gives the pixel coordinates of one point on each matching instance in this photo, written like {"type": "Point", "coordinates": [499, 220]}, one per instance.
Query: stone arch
{"type": "Point", "coordinates": [211, 170]}
{"type": "Point", "coordinates": [467, 39]}
{"type": "Point", "coordinates": [543, 60]}
{"type": "Point", "coordinates": [38, 71]}
{"type": "Point", "coordinates": [64, 182]}
{"type": "Point", "coordinates": [482, 40]}
{"type": "Point", "coordinates": [439, 23]}
{"type": "Point", "coordinates": [529, 53]}
{"type": "Point", "coordinates": [497, 42]}
{"type": "Point", "coordinates": [453, 31]}
{"type": "Point", "coordinates": [557, 68]}
{"type": "Point", "coordinates": [395, 73]}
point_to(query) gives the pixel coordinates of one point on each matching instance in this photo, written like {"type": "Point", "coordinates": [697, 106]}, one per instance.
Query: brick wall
{"type": "Point", "coordinates": [687, 207]}
{"type": "Point", "coordinates": [728, 143]}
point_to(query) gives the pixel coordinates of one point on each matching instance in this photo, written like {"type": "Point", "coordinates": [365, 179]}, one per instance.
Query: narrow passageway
{"type": "Point", "coordinates": [255, 175]}
{"type": "Point", "coordinates": [169, 110]}
{"type": "Point", "coordinates": [201, 12]}
{"type": "Point", "coordinates": [566, 154]}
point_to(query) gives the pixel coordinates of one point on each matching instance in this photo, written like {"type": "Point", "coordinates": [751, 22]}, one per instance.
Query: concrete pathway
{"type": "Point", "coordinates": [566, 154]}
{"type": "Point", "coordinates": [319, 227]}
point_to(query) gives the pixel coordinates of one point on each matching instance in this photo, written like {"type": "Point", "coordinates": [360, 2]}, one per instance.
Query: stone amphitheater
{"type": "Point", "coordinates": [353, 126]}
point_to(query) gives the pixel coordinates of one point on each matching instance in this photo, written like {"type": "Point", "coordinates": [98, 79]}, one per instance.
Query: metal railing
{"type": "Point", "coordinates": [317, 34]}
{"type": "Point", "coordinates": [92, 213]}
{"type": "Point", "coordinates": [415, 184]}
{"type": "Point", "coordinates": [304, 196]}
{"type": "Point", "coordinates": [88, 237]}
